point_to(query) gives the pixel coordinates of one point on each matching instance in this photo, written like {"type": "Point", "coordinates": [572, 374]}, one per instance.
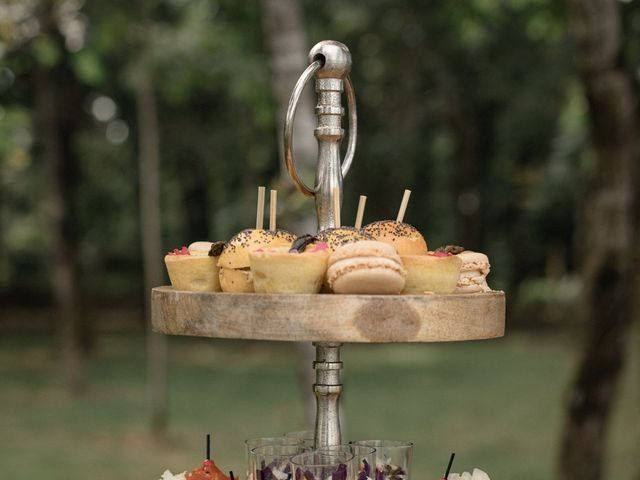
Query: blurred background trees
{"type": "Point", "coordinates": [481, 108]}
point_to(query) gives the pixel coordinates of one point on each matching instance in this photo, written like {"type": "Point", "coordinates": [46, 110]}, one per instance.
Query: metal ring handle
{"type": "Point", "coordinates": [353, 126]}
{"type": "Point", "coordinates": [288, 126]}
{"type": "Point", "coordinates": [290, 117]}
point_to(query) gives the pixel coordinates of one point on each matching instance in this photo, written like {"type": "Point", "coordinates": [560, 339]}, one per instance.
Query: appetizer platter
{"type": "Point", "coordinates": [376, 283]}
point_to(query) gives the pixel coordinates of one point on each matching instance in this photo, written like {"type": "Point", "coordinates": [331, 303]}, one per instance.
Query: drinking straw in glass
{"type": "Point", "coordinates": [324, 465]}
{"type": "Point", "coordinates": [392, 458]}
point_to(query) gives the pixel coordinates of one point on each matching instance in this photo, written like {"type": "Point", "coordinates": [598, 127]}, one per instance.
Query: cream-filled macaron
{"type": "Point", "coordinates": [367, 267]}
{"type": "Point", "coordinates": [473, 272]}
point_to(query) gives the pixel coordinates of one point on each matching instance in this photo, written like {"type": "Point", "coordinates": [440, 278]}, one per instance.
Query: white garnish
{"type": "Point", "coordinates": [167, 475]}
{"type": "Point", "coordinates": [279, 474]}
{"type": "Point", "coordinates": [479, 475]}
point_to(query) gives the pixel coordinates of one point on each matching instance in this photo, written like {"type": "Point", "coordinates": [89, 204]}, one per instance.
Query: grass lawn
{"type": "Point", "coordinates": [497, 404]}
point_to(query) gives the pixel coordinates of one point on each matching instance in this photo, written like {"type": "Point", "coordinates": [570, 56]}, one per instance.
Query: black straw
{"type": "Point", "coordinates": [446, 474]}
{"type": "Point", "coordinates": [208, 446]}
{"type": "Point", "coordinates": [231, 474]}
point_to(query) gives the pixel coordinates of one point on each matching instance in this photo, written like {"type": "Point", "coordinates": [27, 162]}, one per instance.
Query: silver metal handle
{"type": "Point", "coordinates": [288, 126]}
{"type": "Point", "coordinates": [316, 66]}
{"type": "Point", "coordinates": [353, 126]}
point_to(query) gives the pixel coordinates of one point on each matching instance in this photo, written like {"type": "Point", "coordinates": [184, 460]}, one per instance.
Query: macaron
{"type": "Point", "coordinates": [473, 272]}
{"type": "Point", "coordinates": [366, 267]}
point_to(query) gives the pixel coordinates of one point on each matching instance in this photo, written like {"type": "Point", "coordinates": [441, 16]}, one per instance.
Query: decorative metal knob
{"type": "Point", "coordinates": [335, 58]}
{"type": "Point", "coordinates": [330, 63]}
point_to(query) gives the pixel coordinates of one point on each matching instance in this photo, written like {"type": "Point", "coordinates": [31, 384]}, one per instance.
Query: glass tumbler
{"type": "Point", "coordinates": [392, 458]}
{"type": "Point", "coordinates": [307, 436]}
{"type": "Point", "coordinates": [324, 465]}
{"type": "Point", "coordinates": [273, 462]}
{"type": "Point", "coordinates": [363, 461]}
{"type": "Point", "coordinates": [266, 441]}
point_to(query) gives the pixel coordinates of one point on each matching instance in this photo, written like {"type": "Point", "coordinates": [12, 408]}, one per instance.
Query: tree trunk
{"type": "Point", "coordinates": [57, 107]}
{"type": "Point", "coordinates": [151, 235]}
{"type": "Point", "coordinates": [606, 246]}
{"type": "Point", "coordinates": [284, 31]}
{"type": "Point", "coordinates": [286, 36]}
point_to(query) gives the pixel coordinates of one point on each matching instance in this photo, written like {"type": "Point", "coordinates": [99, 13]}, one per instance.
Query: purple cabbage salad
{"type": "Point", "coordinates": [339, 473]}
{"type": "Point", "coordinates": [273, 471]}
{"type": "Point", "coordinates": [364, 473]}
{"type": "Point", "coordinates": [387, 471]}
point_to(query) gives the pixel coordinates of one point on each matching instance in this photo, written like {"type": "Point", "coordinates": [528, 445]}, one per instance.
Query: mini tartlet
{"type": "Point", "coordinates": [195, 268]}
{"type": "Point", "coordinates": [235, 272]}
{"type": "Point", "coordinates": [435, 272]}
{"type": "Point", "coordinates": [287, 270]}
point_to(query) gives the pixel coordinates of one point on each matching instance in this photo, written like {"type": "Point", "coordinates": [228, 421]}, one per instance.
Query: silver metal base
{"type": "Point", "coordinates": [327, 390]}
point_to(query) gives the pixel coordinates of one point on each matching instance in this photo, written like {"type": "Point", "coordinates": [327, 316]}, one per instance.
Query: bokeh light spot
{"type": "Point", "coordinates": [117, 132]}
{"type": "Point", "coordinates": [103, 108]}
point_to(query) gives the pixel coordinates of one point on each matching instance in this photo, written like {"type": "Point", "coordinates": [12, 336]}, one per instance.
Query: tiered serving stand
{"type": "Point", "coordinates": [328, 320]}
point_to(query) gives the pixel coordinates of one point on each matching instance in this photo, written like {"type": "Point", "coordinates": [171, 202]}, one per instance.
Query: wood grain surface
{"type": "Point", "coordinates": [328, 317]}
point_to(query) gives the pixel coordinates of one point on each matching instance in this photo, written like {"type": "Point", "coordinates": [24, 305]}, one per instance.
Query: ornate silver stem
{"type": "Point", "coordinates": [330, 64]}
{"type": "Point", "coordinates": [327, 390]}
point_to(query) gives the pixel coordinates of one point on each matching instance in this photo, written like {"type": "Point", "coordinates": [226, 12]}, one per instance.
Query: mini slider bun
{"type": "Point", "coordinates": [336, 237]}
{"type": "Point", "coordinates": [366, 267]}
{"type": "Point", "coordinates": [405, 238]}
{"type": "Point", "coordinates": [235, 275]}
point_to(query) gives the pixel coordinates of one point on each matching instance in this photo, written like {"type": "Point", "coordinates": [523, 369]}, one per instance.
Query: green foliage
{"type": "Point", "coordinates": [46, 51]}
{"type": "Point", "coordinates": [475, 106]}
{"type": "Point", "coordinates": [88, 67]}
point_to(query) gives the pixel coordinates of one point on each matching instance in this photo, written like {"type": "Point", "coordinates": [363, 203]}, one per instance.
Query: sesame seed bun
{"type": "Point", "coordinates": [236, 252]}
{"type": "Point", "coordinates": [336, 237]}
{"type": "Point", "coordinates": [236, 280]}
{"type": "Point", "coordinates": [406, 239]}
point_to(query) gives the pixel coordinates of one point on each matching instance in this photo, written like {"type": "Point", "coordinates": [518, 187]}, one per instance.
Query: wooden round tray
{"type": "Point", "coordinates": [328, 317]}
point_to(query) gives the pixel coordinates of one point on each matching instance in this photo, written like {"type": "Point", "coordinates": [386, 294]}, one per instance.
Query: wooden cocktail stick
{"type": "Point", "coordinates": [260, 209]}
{"type": "Point", "coordinates": [360, 214]}
{"type": "Point", "coordinates": [336, 205]}
{"type": "Point", "coordinates": [273, 209]}
{"type": "Point", "coordinates": [403, 206]}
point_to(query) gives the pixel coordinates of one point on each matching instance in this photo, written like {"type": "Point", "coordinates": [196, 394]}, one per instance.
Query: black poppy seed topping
{"type": "Point", "coordinates": [251, 237]}
{"type": "Point", "coordinates": [339, 236]}
{"type": "Point", "coordinates": [386, 227]}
